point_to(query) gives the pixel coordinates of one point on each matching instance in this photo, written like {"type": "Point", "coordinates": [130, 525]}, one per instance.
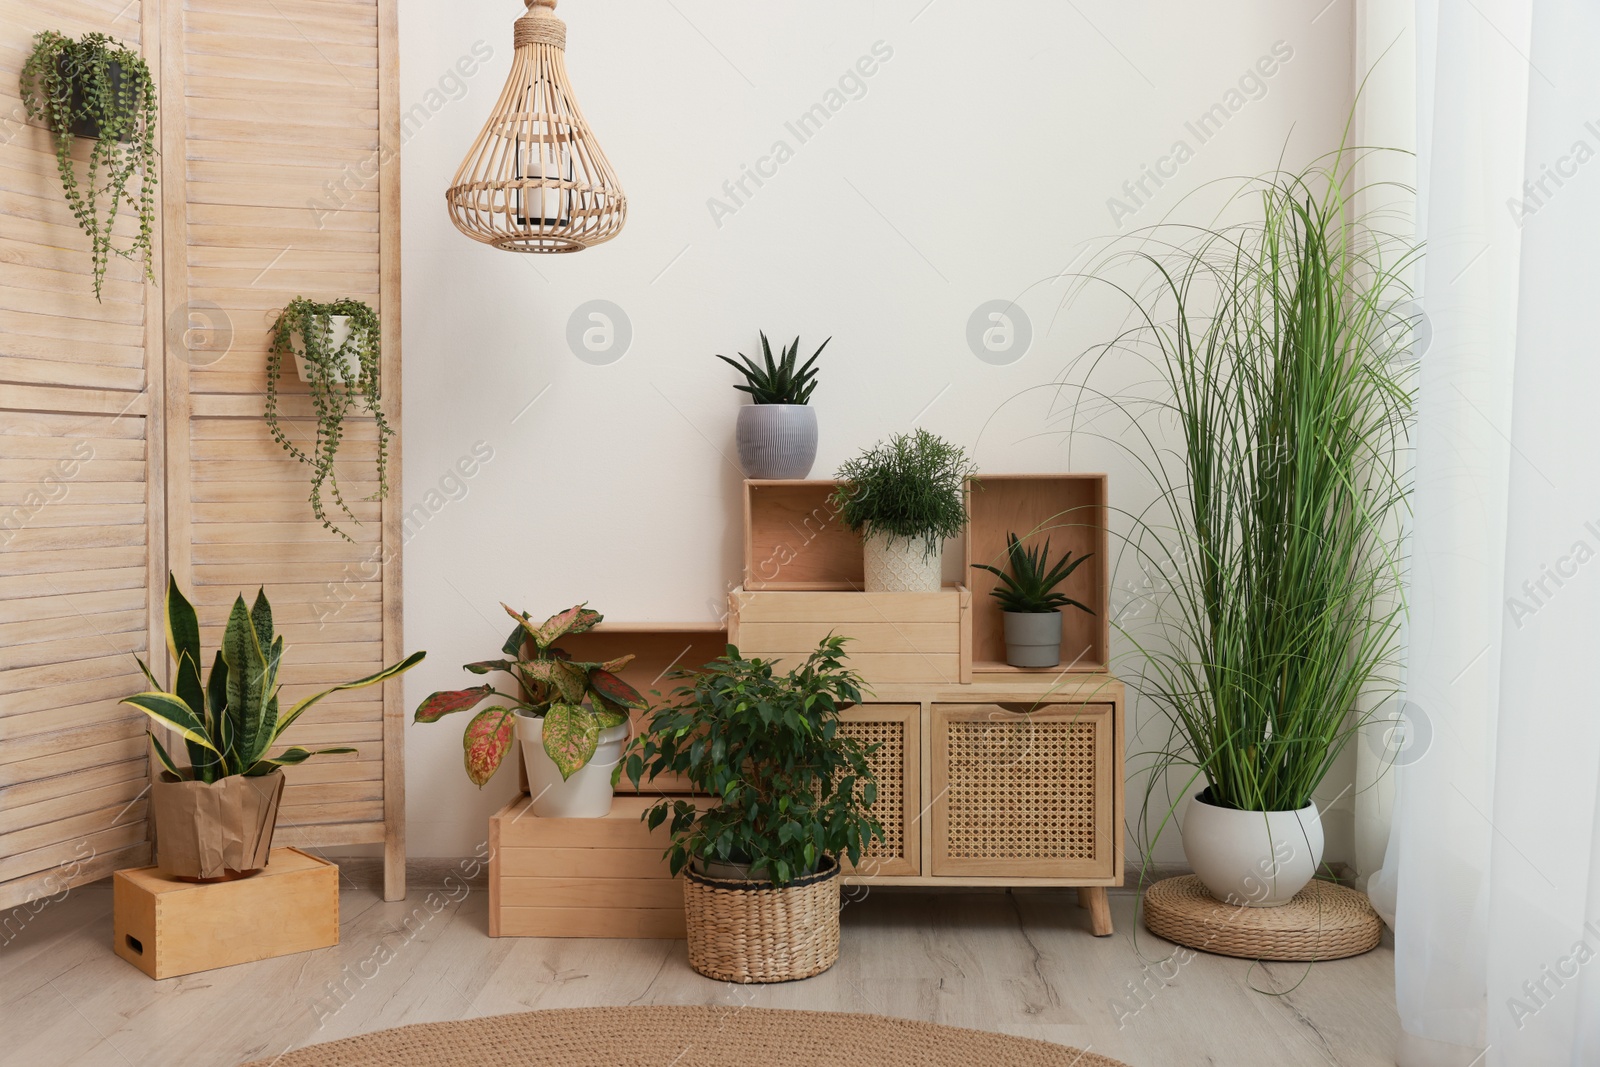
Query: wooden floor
{"type": "Point", "coordinates": [1020, 963]}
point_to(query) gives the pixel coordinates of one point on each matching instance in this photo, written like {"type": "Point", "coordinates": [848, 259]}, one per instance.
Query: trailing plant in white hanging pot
{"type": "Point", "coordinates": [336, 349]}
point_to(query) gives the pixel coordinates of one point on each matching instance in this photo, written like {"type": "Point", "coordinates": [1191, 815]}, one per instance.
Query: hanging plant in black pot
{"type": "Point", "coordinates": [96, 87]}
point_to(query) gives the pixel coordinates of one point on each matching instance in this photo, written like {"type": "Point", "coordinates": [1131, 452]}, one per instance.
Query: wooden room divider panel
{"type": "Point", "coordinates": [81, 545]}
{"type": "Point", "coordinates": [282, 180]}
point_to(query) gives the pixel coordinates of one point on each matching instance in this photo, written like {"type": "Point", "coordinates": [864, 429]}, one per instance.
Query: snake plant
{"type": "Point", "coordinates": [230, 721]}
{"type": "Point", "coordinates": [576, 700]}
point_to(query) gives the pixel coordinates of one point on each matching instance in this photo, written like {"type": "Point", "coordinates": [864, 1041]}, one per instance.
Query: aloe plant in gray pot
{"type": "Point", "coordinates": [777, 434]}
{"type": "Point", "coordinates": [1032, 606]}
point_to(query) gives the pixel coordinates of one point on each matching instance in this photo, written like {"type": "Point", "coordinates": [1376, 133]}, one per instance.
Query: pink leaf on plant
{"type": "Point", "coordinates": [486, 741]}
{"type": "Point", "coordinates": [614, 689]}
{"type": "Point", "coordinates": [441, 704]}
{"type": "Point", "coordinates": [571, 735]}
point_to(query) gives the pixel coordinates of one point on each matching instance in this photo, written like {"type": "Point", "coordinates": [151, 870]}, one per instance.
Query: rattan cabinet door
{"type": "Point", "coordinates": [1026, 793]}
{"type": "Point", "coordinates": [897, 765]}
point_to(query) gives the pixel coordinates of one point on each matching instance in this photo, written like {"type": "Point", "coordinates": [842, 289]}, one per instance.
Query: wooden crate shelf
{"type": "Point", "coordinates": [659, 648]}
{"type": "Point", "coordinates": [794, 539]}
{"type": "Point", "coordinates": [1071, 511]}
{"type": "Point", "coordinates": [895, 637]}
{"type": "Point", "coordinates": [581, 877]}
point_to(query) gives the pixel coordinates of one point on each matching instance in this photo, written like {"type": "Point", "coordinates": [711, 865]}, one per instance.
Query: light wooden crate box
{"type": "Point", "coordinates": [895, 638]}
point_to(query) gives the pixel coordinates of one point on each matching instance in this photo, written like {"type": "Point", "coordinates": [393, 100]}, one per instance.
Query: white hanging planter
{"type": "Point", "coordinates": [901, 565]}
{"type": "Point", "coordinates": [1259, 859]}
{"type": "Point", "coordinates": [349, 369]}
{"type": "Point", "coordinates": [587, 794]}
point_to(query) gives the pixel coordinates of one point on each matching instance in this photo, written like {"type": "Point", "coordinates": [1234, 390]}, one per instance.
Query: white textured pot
{"type": "Point", "coordinates": [1033, 638]}
{"type": "Point", "coordinates": [901, 565]}
{"type": "Point", "coordinates": [777, 440]}
{"type": "Point", "coordinates": [1260, 859]}
{"type": "Point", "coordinates": [340, 325]}
{"type": "Point", "coordinates": [587, 794]}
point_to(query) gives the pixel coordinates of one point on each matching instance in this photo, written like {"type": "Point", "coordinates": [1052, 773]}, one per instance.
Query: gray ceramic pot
{"type": "Point", "coordinates": [1033, 638]}
{"type": "Point", "coordinates": [777, 440]}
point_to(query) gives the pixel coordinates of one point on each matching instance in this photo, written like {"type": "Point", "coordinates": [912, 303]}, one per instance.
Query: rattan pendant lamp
{"type": "Point", "coordinates": [536, 180]}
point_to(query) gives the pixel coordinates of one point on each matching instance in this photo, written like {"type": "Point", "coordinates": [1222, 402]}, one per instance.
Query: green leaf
{"type": "Point", "coordinates": [221, 719]}
{"type": "Point", "coordinates": [166, 760]}
{"type": "Point", "coordinates": [519, 636]}
{"type": "Point", "coordinates": [371, 679]}
{"type": "Point", "coordinates": [289, 757]}
{"type": "Point", "coordinates": [247, 697]}
{"type": "Point", "coordinates": [172, 713]}
{"type": "Point", "coordinates": [488, 665]}
{"type": "Point", "coordinates": [485, 743]}
{"type": "Point", "coordinates": [571, 735]}
{"type": "Point", "coordinates": [618, 664]}
{"type": "Point", "coordinates": [183, 627]}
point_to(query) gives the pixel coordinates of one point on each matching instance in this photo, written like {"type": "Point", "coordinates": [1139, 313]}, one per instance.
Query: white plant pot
{"type": "Point", "coordinates": [777, 440]}
{"type": "Point", "coordinates": [1259, 859]}
{"type": "Point", "coordinates": [587, 794]}
{"type": "Point", "coordinates": [901, 565]}
{"type": "Point", "coordinates": [1033, 638]}
{"type": "Point", "coordinates": [349, 371]}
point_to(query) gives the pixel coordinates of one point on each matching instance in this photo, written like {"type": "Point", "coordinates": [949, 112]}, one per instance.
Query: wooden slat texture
{"type": "Point", "coordinates": [79, 455]}
{"type": "Point", "coordinates": [280, 104]}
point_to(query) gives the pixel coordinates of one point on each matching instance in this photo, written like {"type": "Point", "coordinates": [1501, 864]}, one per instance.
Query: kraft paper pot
{"type": "Point", "coordinates": [217, 830]}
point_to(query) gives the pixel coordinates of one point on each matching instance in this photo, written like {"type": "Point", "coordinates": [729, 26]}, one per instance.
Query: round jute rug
{"type": "Point", "coordinates": [686, 1037]}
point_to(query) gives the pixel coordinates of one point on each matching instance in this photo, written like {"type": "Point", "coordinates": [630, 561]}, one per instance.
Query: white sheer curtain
{"type": "Point", "coordinates": [1493, 869]}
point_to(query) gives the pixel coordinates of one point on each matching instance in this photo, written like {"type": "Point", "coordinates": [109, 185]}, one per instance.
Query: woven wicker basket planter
{"type": "Point", "coordinates": [756, 932]}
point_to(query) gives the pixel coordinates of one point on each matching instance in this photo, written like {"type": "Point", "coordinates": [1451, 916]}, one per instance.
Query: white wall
{"type": "Point", "coordinates": [976, 163]}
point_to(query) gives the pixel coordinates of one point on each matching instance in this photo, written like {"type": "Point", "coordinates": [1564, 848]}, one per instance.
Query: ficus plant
{"type": "Point", "coordinates": [334, 396]}
{"type": "Point", "coordinates": [576, 700]}
{"type": "Point", "coordinates": [1029, 584]}
{"type": "Point", "coordinates": [792, 789]}
{"type": "Point", "coordinates": [230, 721]}
{"type": "Point", "coordinates": [98, 87]}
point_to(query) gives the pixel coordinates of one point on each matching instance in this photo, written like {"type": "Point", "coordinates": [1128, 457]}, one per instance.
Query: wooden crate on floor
{"type": "Point", "coordinates": [168, 928]}
{"type": "Point", "coordinates": [581, 877]}
{"type": "Point", "coordinates": [895, 638]}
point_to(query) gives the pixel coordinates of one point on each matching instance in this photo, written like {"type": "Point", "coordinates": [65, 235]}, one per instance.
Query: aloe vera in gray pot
{"type": "Point", "coordinates": [1032, 605]}
{"type": "Point", "coordinates": [777, 434]}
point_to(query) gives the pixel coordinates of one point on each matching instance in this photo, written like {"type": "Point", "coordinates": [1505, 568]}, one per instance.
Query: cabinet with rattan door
{"type": "Point", "coordinates": [894, 732]}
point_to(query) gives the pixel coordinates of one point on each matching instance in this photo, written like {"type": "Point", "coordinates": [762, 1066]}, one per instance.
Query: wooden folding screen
{"type": "Point", "coordinates": [280, 178]}
{"type": "Point", "coordinates": [80, 508]}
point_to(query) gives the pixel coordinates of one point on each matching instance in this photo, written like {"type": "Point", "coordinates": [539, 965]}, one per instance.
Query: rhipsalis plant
{"type": "Point", "coordinates": [576, 700]}
{"type": "Point", "coordinates": [333, 394]}
{"type": "Point", "coordinates": [230, 721]}
{"type": "Point", "coordinates": [778, 381]}
{"type": "Point", "coordinates": [913, 486]}
{"type": "Point", "coordinates": [1029, 586]}
{"type": "Point", "coordinates": [97, 87]}
{"type": "Point", "coordinates": [792, 788]}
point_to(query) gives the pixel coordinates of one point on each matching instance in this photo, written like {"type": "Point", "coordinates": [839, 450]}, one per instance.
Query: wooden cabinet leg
{"type": "Point", "coordinates": [1094, 898]}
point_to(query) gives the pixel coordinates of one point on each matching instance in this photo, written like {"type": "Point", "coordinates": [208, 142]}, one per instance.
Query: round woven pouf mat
{"type": "Point", "coordinates": [1323, 922]}
{"type": "Point", "coordinates": [729, 1036]}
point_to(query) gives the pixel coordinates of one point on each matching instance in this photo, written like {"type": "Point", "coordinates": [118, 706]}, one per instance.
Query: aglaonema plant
{"type": "Point", "coordinates": [230, 721]}
{"type": "Point", "coordinates": [576, 700]}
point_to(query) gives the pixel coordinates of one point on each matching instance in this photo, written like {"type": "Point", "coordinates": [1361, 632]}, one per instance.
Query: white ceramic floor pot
{"type": "Point", "coordinates": [777, 440]}
{"type": "Point", "coordinates": [1259, 859]}
{"type": "Point", "coordinates": [587, 794]}
{"type": "Point", "coordinates": [901, 565]}
{"type": "Point", "coordinates": [349, 371]}
{"type": "Point", "coordinates": [1033, 638]}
